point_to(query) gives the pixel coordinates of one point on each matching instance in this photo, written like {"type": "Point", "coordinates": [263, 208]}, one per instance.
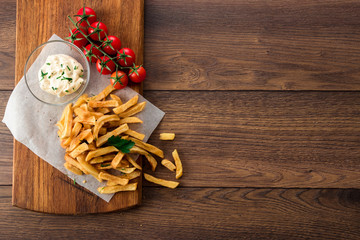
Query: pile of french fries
{"type": "Point", "coordinates": [84, 130]}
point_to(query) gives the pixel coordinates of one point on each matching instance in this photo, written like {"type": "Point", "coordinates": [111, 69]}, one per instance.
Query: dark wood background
{"type": "Point", "coordinates": [260, 162]}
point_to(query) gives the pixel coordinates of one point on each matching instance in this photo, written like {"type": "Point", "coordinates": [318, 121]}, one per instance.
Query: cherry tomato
{"type": "Point", "coordinates": [86, 18]}
{"type": "Point", "coordinates": [105, 66]}
{"type": "Point", "coordinates": [119, 80]}
{"type": "Point", "coordinates": [77, 38]}
{"type": "Point", "coordinates": [126, 58]}
{"type": "Point", "coordinates": [111, 45]}
{"type": "Point", "coordinates": [137, 74]}
{"type": "Point", "coordinates": [92, 54]}
{"type": "Point", "coordinates": [96, 29]}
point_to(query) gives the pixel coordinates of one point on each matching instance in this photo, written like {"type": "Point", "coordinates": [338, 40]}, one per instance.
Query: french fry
{"type": "Point", "coordinates": [67, 121]}
{"type": "Point", "coordinates": [178, 164]}
{"type": "Point", "coordinates": [74, 162]}
{"type": "Point", "coordinates": [125, 169]}
{"type": "Point", "coordinates": [169, 165]}
{"type": "Point", "coordinates": [117, 159]}
{"type": "Point", "coordinates": [78, 150]}
{"type": "Point", "coordinates": [130, 176]}
{"type": "Point", "coordinates": [85, 114]}
{"type": "Point", "coordinates": [104, 110]}
{"type": "Point", "coordinates": [81, 100]}
{"type": "Point", "coordinates": [72, 168]}
{"type": "Point", "coordinates": [133, 162]}
{"type": "Point", "coordinates": [162, 182]}
{"type": "Point", "coordinates": [107, 176]}
{"type": "Point", "coordinates": [86, 120]}
{"type": "Point", "coordinates": [135, 134]}
{"type": "Point", "coordinates": [133, 110]}
{"type": "Point", "coordinates": [151, 159]}
{"type": "Point", "coordinates": [88, 167]}
{"type": "Point", "coordinates": [103, 166]}
{"type": "Point", "coordinates": [167, 136]}
{"type": "Point", "coordinates": [102, 159]}
{"type": "Point", "coordinates": [104, 93]}
{"type": "Point", "coordinates": [130, 120]}
{"type": "Point", "coordinates": [102, 131]}
{"type": "Point", "coordinates": [126, 105]}
{"type": "Point", "coordinates": [117, 188]}
{"type": "Point", "coordinates": [116, 98]}
{"type": "Point", "coordinates": [103, 139]}
{"type": "Point", "coordinates": [102, 104]}
{"type": "Point", "coordinates": [74, 132]}
{"type": "Point", "coordinates": [148, 147]}
{"type": "Point", "coordinates": [100, 151]}
{"type": "Point", "coordinates": [100, 122]}
{"type": "Point", "coordinates": [78, 139]}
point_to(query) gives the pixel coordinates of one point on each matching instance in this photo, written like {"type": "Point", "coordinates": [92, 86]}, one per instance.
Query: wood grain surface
{"type": "Point", "coordinates": [272, 139]}
{"type": "Point", "coordinates": [203, 213]}
{"type": "Point", "coordinates": [252, 45]}
{"type": "Point", "coordinates": [37, 185]}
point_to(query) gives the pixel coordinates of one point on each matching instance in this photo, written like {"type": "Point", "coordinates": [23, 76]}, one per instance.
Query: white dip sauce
{"type": "Point", "coordinates": [61, 75]}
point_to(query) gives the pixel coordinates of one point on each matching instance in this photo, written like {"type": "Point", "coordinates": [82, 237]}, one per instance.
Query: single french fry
{"type": "Point", "coordinates": [86, 120]}
{"type": "Point", "coordinates": [100, 151]}
{"type": "Point", "coordinates": [133, 162]}
{"type": "Point", "coordinates": [78, 139]}
{"type": "Point", "coordinates": [67, 121]}
{"type": "Point", "coordinates": [125, 169]}
{"type": "Point", "coordinates": [117, 188]}
{"type": "Point", "coordinates": [117, 159]}
{"type": "Point", "coordinates": [103, 110]}
{"type": "Point", "coordinates": [167, 136]}
{"type": "Point", "coordinates": [116, 98]}
{"type": "Point", "coordinates": [129, 176]}
{"type": "Point", "coordinates": [100, 122]}
{"type": "Point", "coordinates": [151, 159]}
{"type": "Point", "coordinates": [108, 103]}
{"type": "Point", "coordinates": [179, 168]}
{"type": "Point", "coordinates": [169, 165]}
{"type": "Point", "coordinates": [107, 176]}
{"type": "Point", "coordinates": [72, 168]}
{"type": "Point", "coordinates": [78, 150]}
{"type": "Point", "coordinates": [89, 168]}
{"type": "Point", "coordinates": [126, 105]}
{"type": "Point", "coordinates": [102, 131]}
{"type": "Point", "coordinates": [74, 162]}
{"type": "Point", "coordinates": [103, 139]}
{"type": "Point", "coordinates": [159, 181]}
{"type": "Point", "coordinates": [104, 93]}
{"type": "Point", "coordinates": [102, 159]}
{"type": "Point", "coordinates": [81, 100]}
{"type": "Point", "coordinates": [130, 120]}
{"type": "Point", "coordinates": [133, 110]}
{"type": "Point", "coordinates": [83, 114]}
{"type": "Point", "coordinates": [148, 147]}
{"type": "Point", "coordinates": [135, 134]}
{"type": "Point", "coordinates": [87, 126]}
{"type": "Point", "coordinates": [103, 166]}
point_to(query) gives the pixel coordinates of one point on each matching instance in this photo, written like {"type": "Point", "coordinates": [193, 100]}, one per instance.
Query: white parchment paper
{"type": "Point", "coordinates": [32, 123]}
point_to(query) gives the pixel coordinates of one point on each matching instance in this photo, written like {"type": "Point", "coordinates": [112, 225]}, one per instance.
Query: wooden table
{"type": "Point", "coordinates": [264, 99]}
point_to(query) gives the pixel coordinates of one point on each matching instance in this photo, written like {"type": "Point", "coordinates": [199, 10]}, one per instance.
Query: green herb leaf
{"type": "Point", "coordinates": [121, 144]}
{"type": "Point", "coordinates": [47, 63]}
{"type": "Point", "coordinates": [105, 165]}
{"type": "Point", "coordinates": [74, 181]}
{"type": "Point", "coordinates": [81, 76]}
{"type": "Point", "coordinates": [66, 78]}
{"type": "Point", "coordinates": [68, 68]}
{"type": "Point", "coordinates": [75, 67]}
{"type": "Point", "coordinates": [54, 88]}
{"type": "Point", "coordinates": [43, 74]}
{"type": "Point", "coordinates": [66, 91]}
{"type": "Point", "coordinates": [82, 70]}
{"type": "Point", "coordinates": [61, 65]}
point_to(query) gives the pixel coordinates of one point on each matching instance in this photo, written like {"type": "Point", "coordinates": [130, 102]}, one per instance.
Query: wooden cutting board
{"type": "Point", "coordinates": [37, 185]}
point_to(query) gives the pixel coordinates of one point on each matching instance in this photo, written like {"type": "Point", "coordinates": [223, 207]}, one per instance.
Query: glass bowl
{"type": "Point", "coordinates": [37, 59]}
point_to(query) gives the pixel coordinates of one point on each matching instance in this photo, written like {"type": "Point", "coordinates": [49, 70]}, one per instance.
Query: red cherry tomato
{"type": "Point", "coordinates": [88, 16]}
{"type": "Point", "coordinates": [126, 58]}
{"type": "Point", "coordinates": [137, 74]}
{"type": "Point", "coordinates": [119, 80]}
{"type": "Point", "coordinates": [92, 54]}
{"type": "Point", "coordinates": [105, 66]}
{"type": "Point", "coordinates": [111, 45]}
{"type": "Point", "coordinates": [96, 29]}
{"type": "Point", "coordinates": [77, 38]}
